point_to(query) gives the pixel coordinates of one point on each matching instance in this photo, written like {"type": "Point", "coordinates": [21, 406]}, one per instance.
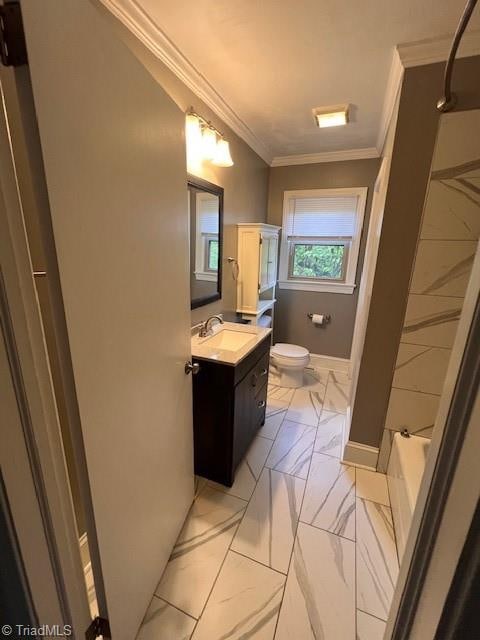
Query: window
{"type": "Point", "coordinates": [211, 252]}
{"type": "Point", "coordinates": [206, 254]}
{"type": "Point", "coordinates": [321, 239]}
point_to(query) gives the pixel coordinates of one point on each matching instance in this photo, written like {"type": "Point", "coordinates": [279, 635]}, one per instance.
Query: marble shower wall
{"type": "Point", "coordinates": [445, 252]}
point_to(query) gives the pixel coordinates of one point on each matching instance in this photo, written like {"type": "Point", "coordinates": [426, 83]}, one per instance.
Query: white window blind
{"type": "Point", "coordinates": [323, 216]}
{"type": "Point", "coordinates": [208, 215]}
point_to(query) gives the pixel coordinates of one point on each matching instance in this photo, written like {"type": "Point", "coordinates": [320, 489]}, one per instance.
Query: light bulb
{"type": "Point", "coordinates": [222, 156]}
{"type": "Point", "coordinates": [193, 135]}
{"type": "Point", "coordinates": [209, 143]}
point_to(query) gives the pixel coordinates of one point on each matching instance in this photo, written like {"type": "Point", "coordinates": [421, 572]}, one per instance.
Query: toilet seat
{"type": "Point", "coordinates": [289, 350]}
{"type": "Point", "coordinates": [290, 356]}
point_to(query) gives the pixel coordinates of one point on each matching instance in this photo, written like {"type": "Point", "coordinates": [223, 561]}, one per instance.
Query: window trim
{"type": "Point", "coordinates": [331, 286]}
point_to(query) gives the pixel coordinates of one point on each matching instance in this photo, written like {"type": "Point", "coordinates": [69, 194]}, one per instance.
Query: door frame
{"type": "Point", "coordinates": [448, 494]}
{"type": "Point", "coordinates": [28, 360]}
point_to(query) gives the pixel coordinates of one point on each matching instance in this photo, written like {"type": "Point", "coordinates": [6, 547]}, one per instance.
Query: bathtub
{"type": "Point", "coordinates": [404, 474]}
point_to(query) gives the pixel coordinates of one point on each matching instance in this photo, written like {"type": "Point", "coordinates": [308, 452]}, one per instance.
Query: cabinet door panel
{"type": "Point", "coordinates": [264, 260]}
{"type": "Point", "coordinates": [242, 428]}
{"type": "Point", "coordinates": [272, 261]}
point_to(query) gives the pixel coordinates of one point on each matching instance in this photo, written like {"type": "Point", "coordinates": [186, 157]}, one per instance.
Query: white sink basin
{"type": "Point", "coordinates": [229, 343]}
{"type": "Point", "coordinates": [229, 340]}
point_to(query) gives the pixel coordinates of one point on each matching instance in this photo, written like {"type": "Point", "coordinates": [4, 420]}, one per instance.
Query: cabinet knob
{"type": "Point", "coordinates": [261, 404]}
{"type": "Point", "coordinates": [192, 368]}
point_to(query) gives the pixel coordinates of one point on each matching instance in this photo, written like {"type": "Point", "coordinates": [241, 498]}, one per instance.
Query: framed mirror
{"type": "Point", "coordinates": [205, 208]}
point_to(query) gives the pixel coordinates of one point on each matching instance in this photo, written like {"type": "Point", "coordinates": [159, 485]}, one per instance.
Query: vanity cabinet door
{"type": "Point", "coordinates": [250, 405]}
{"type": "Point", "coordinates": [268, 261]}
{"type": "Point", "coordinates": [272, 260]}
{"type": "Point", "coordinates": [242, 422]}
{"type": "Point", "coordinates": [264, 258]}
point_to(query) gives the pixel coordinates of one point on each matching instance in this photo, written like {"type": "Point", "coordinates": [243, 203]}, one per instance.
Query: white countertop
{"type": "Point", "coordinates": [202, 350]}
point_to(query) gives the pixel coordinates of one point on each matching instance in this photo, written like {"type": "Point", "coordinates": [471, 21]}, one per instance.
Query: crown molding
{"type": "Point", "coordinates": [393, 87]}
{"type": "Point", "coordinates": [404, 56]}
{"type": "Point", "coordinates": [325, 156]}
{"type": "Point", "coordinates": [414, 54]}
{"type": "Point", "coordinates": [143, 27]}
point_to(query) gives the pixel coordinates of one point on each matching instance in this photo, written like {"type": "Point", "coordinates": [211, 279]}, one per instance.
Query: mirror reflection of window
{"type": "Point", "coordinates": [205, 213]}
{"type": "Point", "coordinates": [206, 255]}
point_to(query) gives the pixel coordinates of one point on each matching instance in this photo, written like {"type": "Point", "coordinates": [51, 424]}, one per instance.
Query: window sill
{"type": "Point", "coordinates": [325, 287]}
{"type": "Point", "coordinates": [202, 275]}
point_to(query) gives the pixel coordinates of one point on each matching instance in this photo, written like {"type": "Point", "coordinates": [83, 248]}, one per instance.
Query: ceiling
{"type": "Point", "coordinates": [272, 61]}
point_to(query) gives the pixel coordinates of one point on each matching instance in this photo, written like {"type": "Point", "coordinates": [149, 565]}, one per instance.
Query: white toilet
{"type": "Point", "coordinates": [290, 361]}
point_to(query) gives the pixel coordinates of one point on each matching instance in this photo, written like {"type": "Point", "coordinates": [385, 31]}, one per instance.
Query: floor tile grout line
{"type": "Point", "coordinates": [225, 493]}
{"type": "Point", "coordinates": [300, 508]}
{"type": "Point", "coordinates": [262, 564]}
{"type": "Point", "coordinates": [295, 536]}
{"type": "Point", "coordinates": [258, 435]}
{"type": "Point", "coordinates": [207, 485]}
{"type": "Point", "coordinates": [394, 528]}
{"type": "Point", "coordinates": [372, 615]}
{"type": "Point", "coordinates": [310, 428]}
{"type": "Point", "coordinates": [162, 599]}
{"type": "Point", "coordinates": [333, 533]}
{"type": "Point", "coordinates": [221, 565]}
{"type": "Point", "coordinates": [387, 506]}
{"type": "Point", "coordinates": [229, 548]}
{"type": "Point", "coordinates": [213, 586]}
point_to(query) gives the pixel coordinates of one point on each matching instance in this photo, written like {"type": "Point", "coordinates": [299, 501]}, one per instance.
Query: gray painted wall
{"type": "Point", "coordinates": [410, 170]}
{"type": "Point", "coordinates": [291, 322]}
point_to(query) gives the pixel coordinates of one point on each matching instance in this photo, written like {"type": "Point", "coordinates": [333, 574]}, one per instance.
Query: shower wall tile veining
{"type": "Point", "coordinates": [301, 546]}
{"type": "Point", "coordinates": [445, 252]}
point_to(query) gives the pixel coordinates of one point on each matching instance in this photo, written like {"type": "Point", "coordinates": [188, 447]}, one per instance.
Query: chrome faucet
{"type": "Point", "coordinates": [206, 328]}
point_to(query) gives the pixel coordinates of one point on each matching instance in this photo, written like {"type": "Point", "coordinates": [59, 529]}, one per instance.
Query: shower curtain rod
{"type": "Point", "coordinates": [449, 99]}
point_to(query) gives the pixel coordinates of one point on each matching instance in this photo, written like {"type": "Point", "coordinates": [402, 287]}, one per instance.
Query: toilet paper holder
{"type": "Point", "coordinates": [326, 317]}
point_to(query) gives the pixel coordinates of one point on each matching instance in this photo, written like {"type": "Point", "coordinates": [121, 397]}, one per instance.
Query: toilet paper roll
{"type": "Point", "coordinates": [318, 318]}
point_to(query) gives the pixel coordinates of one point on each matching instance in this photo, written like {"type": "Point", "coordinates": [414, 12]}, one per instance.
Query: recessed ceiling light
{"type": "Point", "coordinates": [331, 116]}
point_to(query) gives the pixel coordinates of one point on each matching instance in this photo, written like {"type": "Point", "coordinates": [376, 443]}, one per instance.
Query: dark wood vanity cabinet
{"type": "Point", "coordinates": [229, 404]}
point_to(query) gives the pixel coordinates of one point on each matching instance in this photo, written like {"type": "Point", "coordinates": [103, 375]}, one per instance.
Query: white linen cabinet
{"type": "Point", "coordinates": [257, 271]}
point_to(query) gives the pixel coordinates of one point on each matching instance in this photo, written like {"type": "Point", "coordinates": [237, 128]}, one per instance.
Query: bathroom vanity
{"type": "Point", "coordinates": [229, 396]}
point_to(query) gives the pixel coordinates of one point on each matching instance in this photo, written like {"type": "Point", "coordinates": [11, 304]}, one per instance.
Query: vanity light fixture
{"type": "Point", "coordinates": [209, 142]}
{"type": "Point", "coordinates": [222, 156]}
{"type": "Point", "coordinates": [331, 116]}
{"type": "Point", "coordinates": [205, 142]}
{"type": "Point", "coordinates": [193, 135]}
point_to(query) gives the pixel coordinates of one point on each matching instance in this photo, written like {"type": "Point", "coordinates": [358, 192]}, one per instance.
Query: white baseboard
{"type": "Point", "coordinates": [330, 362]}
{"type": "Point", "coordinates": [360, 455]}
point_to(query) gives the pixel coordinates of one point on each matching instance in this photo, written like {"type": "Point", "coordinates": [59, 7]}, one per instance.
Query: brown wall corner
{"type": "Point", "coordinates": [414, 144]}
{"type": "Point", "coordinates": [410, 169]}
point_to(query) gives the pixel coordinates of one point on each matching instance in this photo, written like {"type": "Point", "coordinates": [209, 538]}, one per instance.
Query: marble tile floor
{"type": "Point", "coordinates": [301, 546]}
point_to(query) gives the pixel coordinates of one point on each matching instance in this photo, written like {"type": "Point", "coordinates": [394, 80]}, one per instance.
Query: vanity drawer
{"type": "Point", "coordinates": [259, 375]}
{"type": "Point", "coordinates": [249, 364]}
{"type": "Point", "coordinates": [259, 407]}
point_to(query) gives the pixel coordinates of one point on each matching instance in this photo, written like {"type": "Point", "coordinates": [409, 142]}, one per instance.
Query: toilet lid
{"type": "Point", "coordinates": [289, 350]}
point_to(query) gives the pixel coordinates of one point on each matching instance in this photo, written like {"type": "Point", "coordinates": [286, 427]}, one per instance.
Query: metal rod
{"type": "Point", "coordinates": [204, 122]}
{"type": "Point", "coordinates": [449, 99]}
